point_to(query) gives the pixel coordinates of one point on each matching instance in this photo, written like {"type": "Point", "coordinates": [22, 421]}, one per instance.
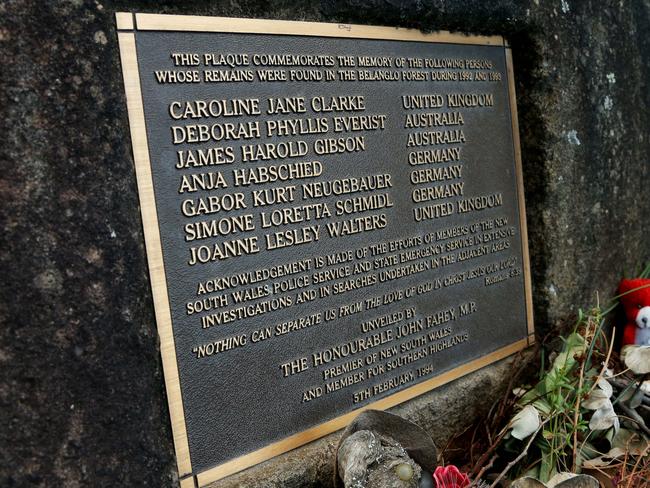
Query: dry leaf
{"type": "Point", "coordinates": [630, 441]}
{"type": "Point", "coordinates": [600, 396]}
{"type": "Point", "coordinates": [604, 418]}
{"type": "Point", "coordinates": [637, 358]}
{"type": "Point", "coordinates": [525, 422]}
{"type": "Point", "coordinates": [604, 460]}
{"type": "Point", "coordinates": [561, 480]}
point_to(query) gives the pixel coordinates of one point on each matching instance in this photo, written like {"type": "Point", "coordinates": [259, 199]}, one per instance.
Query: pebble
{"type": "Point", "coordinates": [404, 471]}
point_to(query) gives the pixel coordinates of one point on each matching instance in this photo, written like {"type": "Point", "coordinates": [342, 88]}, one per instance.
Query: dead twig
{"type": "Point", "coordinates": [518, 458]}
{"type": "Point", "coordinates": [636, 466]}
{"type": "Point", "coordinates": [447, 448]}
{"type": "Point", "coordinates": [619, 384]}
{"type": "Point", "coordinates": [471, 446]}
{"type": "Point", "coordinates": [638, 387]}
{"type": "Point", "coordinates": [635, 417]}
{"type": "Point", "coordinates": [576, 415]}
{"type": "Point", "coordinates": [502, 407]}
{"type": "Point", "coordinates": [604, 368]}
{"type": "Point", "coordinates": [486, 455]}
{"type": "Point", "coordinates": [480, 474]}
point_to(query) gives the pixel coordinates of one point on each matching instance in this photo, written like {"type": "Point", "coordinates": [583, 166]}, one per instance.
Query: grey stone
{"type": "Point", "coordinates": [368, 459]}
{"type": "Point", "coordinates": [353, 460]}
{"type": "Point", "coordinates": [81, 391]}
{"type": "Point", "coordinates": [415, 441]}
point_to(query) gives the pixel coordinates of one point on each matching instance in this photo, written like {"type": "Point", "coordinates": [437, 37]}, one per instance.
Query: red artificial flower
{"type": "Point", "coordinates": [450, 477]}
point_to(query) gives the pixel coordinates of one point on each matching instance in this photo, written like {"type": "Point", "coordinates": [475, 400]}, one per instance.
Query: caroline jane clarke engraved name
{"type": "Point", "coordinates": [342, 214]}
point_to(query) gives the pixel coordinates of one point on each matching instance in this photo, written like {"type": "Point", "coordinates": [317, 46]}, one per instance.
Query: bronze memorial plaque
{"type": "Point", "coordinates": [334, 221]}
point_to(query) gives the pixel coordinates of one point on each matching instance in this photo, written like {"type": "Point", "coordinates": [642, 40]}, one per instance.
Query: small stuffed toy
{"type": "Point", "coordinates": [637, 311]}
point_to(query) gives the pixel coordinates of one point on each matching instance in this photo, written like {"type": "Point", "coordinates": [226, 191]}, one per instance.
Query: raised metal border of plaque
{"type": "Point", "coordinates": [127, 24]}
